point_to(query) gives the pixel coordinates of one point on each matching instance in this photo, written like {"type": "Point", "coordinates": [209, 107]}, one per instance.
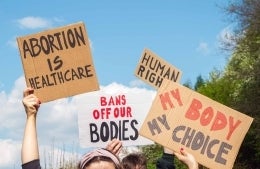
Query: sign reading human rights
{"type": "Point", "coordinates": [180, 117]}
{"type": "Point", "coordinates": [152, 69]}
{"type": "Point", "coordinates": [57, 63]}
{"type": "Point", "coordinates": [104, 116]}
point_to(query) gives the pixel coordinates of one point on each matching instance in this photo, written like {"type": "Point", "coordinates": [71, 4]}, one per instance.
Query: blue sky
{"type": "Point", "coordinates": [185, 33]}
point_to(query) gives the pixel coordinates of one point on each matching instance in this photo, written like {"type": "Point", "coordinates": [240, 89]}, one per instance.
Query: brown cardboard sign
{"type": "Point", "coordinates": [152, 69]}
{"type": "Point", "coordinates": [57, 63]}
{"type": "Point", "coordinates": [180, 117]}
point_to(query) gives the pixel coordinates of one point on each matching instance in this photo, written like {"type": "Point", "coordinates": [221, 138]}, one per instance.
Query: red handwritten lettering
{"type": "Point", "coordinates": [232, 127]}
{"type": "Point", "coordinates": [220, 122]}
{"type": "Point", "coordinates": [166, 99]}
{"type": "Point", "coordinates": [193, 111]}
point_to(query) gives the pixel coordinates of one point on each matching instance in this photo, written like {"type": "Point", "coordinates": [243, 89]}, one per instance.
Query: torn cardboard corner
{"type": "Point", "coordinates": [58, 63]}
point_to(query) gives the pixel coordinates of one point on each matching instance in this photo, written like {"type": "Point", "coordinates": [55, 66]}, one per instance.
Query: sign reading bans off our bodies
{"type": "Point", "coordinates": [180, 117]}
{"type": "Point", "coordinates": [152, 69]}
{"type": "Point", "coordinates": [107, 116]}
{"type": "Point", "coordinates": [57, 63]}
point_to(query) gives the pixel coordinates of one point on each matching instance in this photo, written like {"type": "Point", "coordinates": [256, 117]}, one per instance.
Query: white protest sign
{"type": "Point", "coordinates": [113, 112]}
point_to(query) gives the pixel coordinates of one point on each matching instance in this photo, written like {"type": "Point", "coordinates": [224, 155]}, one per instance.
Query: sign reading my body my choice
{"type": "Point", "coordinates": [180, 117]}
{"type": "Point", "coordinates": [57, 63]}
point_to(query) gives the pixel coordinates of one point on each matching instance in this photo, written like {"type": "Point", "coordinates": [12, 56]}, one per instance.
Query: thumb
{"type": "Point", "coordinates": [178, 155]}
{"type": "Point", "coordinates": [183, 152]}
{"type": "Point", "coordinates": [28, 91]}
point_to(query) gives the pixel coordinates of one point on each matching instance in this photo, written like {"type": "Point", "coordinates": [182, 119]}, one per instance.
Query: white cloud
{"type": "Point", "coordinates": [10, 106]}
{"type": "Point", "coordinates": [56, 121]}
{"type": "Point", "coordinates": [55, 156]}
{"type": "Point", "coordinates": [12, 42]}
{"type": "Point", "coordinates": [1, 85]}
{"type": "Point", "coordinates": [203, 48]}
{"type": "Point", "coordinates": [91, 44]}
{"type": "Point", "coordinates": [31, 22]}
{"type": "Point", "coordinates": [137, 83]}
{"type": "Point", "coordinates": [58, 20]}
{"type": "Point", "coordinates": [226, 37]}
{"type": "Point", "coordinates": [9, 150]}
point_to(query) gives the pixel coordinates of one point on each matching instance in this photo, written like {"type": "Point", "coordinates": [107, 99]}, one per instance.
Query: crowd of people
{"type": "Point", "coordinates": [101, 158]}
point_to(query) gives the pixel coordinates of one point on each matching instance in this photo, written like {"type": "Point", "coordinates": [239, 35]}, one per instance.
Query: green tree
{"type": "Point", "coordinates": [187, 84]}
{"type": "Point", "coordinates": [238, 86]}
{"type": "Point", "coordinates": [200, 82]}
{"type": "Point", "coordinates": [217, 87]}
{"type": "Point", "coordinates": [244, 70]}
{"type": "Point", "coordinates": [153, 152]}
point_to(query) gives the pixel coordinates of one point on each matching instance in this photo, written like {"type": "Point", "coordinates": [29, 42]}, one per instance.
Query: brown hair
{"type": "Point", "coordinates": [133, 160]}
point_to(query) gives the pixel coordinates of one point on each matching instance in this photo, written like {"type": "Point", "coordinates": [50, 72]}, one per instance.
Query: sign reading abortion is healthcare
{"type": "Point", "coordinates": [180, 117]}
{"type": "Point", "coordinates": [57, 63]}
{"type": "Point", "coordinates": [103, 116]}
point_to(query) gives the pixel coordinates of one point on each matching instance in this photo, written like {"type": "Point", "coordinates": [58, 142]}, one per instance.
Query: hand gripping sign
{"type": "Point", "coordinates": [180, 117]}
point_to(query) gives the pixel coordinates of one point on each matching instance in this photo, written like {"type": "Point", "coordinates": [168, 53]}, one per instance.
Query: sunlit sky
{"type": "Point", "coordinates": [187, 34]}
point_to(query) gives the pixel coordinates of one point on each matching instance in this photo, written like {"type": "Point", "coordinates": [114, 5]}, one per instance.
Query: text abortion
{"type": "Point", "coordinates": [51, 43]}
{"type": "Point", "coordinates": [117, 120]}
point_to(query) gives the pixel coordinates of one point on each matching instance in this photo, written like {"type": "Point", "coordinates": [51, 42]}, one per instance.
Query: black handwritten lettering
{"type": "Point", "coordinates": [223, 150]}
{"type": "Point", "coordinates": [57, 78]}
{"type": "Point", "coordinates": [153, 125]}
{"type": "Point", "coordinates": [150, 76]}
{"type": "Point", "coordinates": [94, 136]}
{"type": "Point", "coordinates": [154, 71]}
{"type": "Point", "coordinates": [198, 141]}
{"type": "Point", "coordinates": [133, 126]}
{"type": "Point", "coordinates": [104, 135]}
{"type": "Point", "coordinates": [51, 43]}
{"type": "Point", "coordinates": [56, 61]}
{"type": "Point", "coordinates": [123, 130]}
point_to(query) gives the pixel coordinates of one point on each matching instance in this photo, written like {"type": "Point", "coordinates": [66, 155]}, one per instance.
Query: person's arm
{"type": "Point", "coordinates": [30, 149]}
{"type": "Point", "coordinates": [166, 161]}
{"type": "Point", "coordinates": [187, 158]}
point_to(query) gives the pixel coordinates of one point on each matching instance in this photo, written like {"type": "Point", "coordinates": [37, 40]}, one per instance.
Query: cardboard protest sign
{"type": "Point", "coordinates": [105, 115]}
{"type": "Point", "coordinates": [152, 69]}
{"type": "Point", "coordinates": [180, 117]}
{"type": "Point", "coordinates": [57, 63]}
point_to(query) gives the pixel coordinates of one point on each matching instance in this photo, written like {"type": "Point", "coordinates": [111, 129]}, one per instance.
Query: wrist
{"type": "Point", "coordinates": [194, 166]}
{"type": "Point", "coordinates": [31, 116]}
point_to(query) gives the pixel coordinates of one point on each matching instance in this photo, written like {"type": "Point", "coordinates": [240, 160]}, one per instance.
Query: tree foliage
{"type": "Point", "coordinates": [238, 86]}
{"type": "Point", "coordinates": [199, 83]}
{"type": "Point", "coordinates": [153, 152]}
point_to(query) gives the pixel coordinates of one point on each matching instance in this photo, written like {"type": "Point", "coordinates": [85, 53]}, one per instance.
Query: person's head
{"type": "Point", "coordinates": [134, 161]}
{"type": "Point", "coordinates": [99, 159]}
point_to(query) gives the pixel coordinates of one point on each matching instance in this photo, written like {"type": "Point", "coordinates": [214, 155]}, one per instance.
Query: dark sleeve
{"type": "Point", "coordinates": [165, 162]}
{"type": "Point", "coordinates": [35, 164]}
